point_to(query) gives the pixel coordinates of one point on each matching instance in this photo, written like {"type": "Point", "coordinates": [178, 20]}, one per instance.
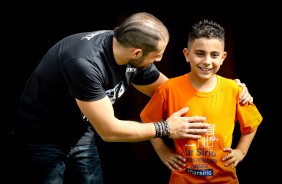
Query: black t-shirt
{"type": "Point", "coordinates": [79, 66]}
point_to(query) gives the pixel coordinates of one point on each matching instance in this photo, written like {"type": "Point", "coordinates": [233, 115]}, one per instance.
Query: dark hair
{"type": "Point", "coordinates": [142, 30]}
{"type": "Point", "coordinates": [206, 29]}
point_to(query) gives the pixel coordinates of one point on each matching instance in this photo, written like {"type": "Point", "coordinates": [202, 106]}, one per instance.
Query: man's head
{"type": "Point", "coordinates": [147, 34]}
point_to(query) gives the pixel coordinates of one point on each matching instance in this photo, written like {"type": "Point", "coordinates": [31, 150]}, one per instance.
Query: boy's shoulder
{"type": "Point", "coordinates": [176, 79]}
{"type": "Point", "coordinates": [174, 82]}
{"type": "Point", "coordinates": [228, 83]}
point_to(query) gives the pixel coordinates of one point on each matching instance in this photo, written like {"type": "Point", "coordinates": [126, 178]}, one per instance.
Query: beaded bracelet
{"type": "Point", "coordinates": [162, 129]}
{"type": "Point", "coordinates": [158, 130]}
{"type": "Point", "coordinates": [166, 128]}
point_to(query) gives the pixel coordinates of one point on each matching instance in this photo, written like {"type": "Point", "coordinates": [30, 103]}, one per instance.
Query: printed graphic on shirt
{"type": "Point", "coordinates": [116, 92]}
{"type": "Point", "coordinates": [113, 94]}
{"type": "Point", "coordinates": [208, 140]}
{"type": "Point", "coordinates": [92, 34]}
{"type": "Point", "coordinates": [202, 153]}
{"type": "Point", "coordinates": [128, 70]}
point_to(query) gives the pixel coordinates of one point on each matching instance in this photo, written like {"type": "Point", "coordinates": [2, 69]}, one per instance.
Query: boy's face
{"type": "Point", "coordinates": [205, 57]}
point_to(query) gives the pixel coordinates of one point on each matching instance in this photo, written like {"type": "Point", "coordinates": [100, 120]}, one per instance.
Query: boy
{"type": "Point", "coordinates": [209, 159]}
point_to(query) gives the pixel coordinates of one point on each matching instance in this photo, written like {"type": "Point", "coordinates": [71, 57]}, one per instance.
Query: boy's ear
{"type": "Point", "coordinates": [224, 55]}
{"type": "Point", "coordinates": [186, 54]}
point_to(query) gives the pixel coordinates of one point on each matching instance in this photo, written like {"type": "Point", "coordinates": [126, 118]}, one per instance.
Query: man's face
{"type": "Point", "coordinates": [144, 61]}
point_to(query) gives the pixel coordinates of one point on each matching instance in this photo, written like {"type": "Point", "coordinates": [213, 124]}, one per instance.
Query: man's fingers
{"type": "Point", "coordinates": [197, 131]}
{"type": "Point", "coordinates": [243, 85]}
{"type": "Point", "coordinates": [182, 111]}
{"type": "Point", "coordinates": [194, 119]}
{"type": "Point", "coordinates": [238, 81]}
{"type": "Point", "coordinates": [196, 126]}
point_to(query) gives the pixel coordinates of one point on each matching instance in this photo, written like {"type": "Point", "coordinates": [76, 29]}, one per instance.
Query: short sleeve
{"type": "Point", "coordinates": [84, 79]}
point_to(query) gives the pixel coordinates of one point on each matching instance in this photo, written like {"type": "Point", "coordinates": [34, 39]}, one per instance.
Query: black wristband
{"type": "Point", "coordinates": [166, 128]}
{"type": "Point", "coordinates": [162, 129]}
{"type": "Point", "coordinates": [158, 130]}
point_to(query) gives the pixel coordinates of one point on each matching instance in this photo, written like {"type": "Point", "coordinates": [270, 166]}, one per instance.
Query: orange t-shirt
{"type": "Point", "coordinates": [221, 108]}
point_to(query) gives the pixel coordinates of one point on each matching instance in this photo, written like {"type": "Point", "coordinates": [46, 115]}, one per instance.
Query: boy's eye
{"type": "Point", "coordinates": [214, 55]}
{"type": "Point", "coordinates": [199, 54]}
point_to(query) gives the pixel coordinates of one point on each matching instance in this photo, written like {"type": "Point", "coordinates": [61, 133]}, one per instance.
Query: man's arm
{"type": "Point", "coordinates": [100, 113]}
{"type": "Point", "coordinates": [149, 89]}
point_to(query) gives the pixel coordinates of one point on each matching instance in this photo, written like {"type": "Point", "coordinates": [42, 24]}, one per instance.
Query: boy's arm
{"type": "Point", "coordinates": [167, 155]}
{"type": "Point", "coordinates": [237, 155]}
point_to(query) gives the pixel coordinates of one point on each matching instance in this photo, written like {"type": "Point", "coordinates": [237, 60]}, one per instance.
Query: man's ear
{"type": "Point", "coordinates": [136, 53]}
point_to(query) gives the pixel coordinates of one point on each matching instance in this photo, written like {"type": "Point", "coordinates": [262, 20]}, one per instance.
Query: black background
{"type": "Point", "coordinates": [254, 56]}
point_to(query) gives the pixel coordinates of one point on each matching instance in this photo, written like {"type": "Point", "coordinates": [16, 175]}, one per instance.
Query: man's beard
{"type": "Point", "coordinates": [138, 63]}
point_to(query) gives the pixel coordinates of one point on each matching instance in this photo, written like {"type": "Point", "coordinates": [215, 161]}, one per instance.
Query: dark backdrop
{"type": "Point", "coordinates": [253, 57]}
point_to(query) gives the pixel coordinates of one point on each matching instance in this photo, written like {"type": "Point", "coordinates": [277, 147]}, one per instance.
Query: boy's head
{"type": "Point", "coordinates": [206, 29]}
{"type": "Point", "coordinates": [205, 49]}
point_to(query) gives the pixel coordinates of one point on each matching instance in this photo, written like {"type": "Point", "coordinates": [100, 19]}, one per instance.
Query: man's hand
{"type": "Point", "coordinates": [186, 127]}
{"type": "Point", "coordinates": [245, 96]}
